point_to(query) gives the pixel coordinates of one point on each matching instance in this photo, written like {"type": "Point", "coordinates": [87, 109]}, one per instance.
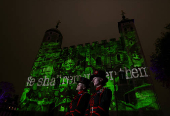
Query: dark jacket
{"type": "Point", "coordinates": [78, 105]}
{"type": "Point", "coordinates": [99, 102]}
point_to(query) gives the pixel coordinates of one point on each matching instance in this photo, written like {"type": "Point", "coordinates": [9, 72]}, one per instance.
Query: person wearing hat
{"type": "Point", "coordinates": [79, 103]}
{"type": "Point", "coordinates": [100, 100]}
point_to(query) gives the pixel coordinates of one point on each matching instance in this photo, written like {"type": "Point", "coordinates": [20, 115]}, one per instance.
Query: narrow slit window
{"type": "Point", "coordinates": [98, 61]}
{"type": "Point", "coordinates": [118, 57]}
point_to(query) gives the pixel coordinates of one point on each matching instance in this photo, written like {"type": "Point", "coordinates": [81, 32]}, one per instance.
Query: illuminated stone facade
{"type": "Point", "coordinates": [132, 95]}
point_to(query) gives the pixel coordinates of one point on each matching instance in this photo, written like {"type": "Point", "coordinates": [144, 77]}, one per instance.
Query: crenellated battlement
{"type": "Point", "coordinates": [95, 43]}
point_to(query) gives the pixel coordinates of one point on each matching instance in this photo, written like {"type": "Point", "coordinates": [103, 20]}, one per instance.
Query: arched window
{"type": "Point", "coordinates": [57, 83]}
{"type": "Point", "coordinates": [78, 63]}
{"type": "Point", "coordinates": [131, 42]}
{"type": "Point", "coordinates": [98, 61]}
{"type": "Point", "coordinates": [48, 38]}
{"type": "Point", "coordinates": [118, 57]}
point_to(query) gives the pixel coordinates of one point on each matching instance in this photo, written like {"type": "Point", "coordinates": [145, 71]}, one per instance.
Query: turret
{"type": "Point", "coordinates": [53, 35]}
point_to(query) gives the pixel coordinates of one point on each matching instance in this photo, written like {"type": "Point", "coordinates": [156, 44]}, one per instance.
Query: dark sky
{"type": "Point", "coordinates": [24, 22]}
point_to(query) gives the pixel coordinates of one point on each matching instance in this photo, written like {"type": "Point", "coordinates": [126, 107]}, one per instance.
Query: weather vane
{"type": "Point", "coordinates": [122, 13]}
{"type": "Point", "coordinates": [58, 23]}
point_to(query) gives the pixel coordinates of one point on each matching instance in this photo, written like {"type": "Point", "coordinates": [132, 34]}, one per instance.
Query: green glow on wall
{"type": "Point", "coordinates": [62, 109]}
{"type": "Point", "coordinates": [144, 85]}
{"type": "Point", "coordinates": [146, 98]}
{"type": "Point", "coordinates": [81, 60]}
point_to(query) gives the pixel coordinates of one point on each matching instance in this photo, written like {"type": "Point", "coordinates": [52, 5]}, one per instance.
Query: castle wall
{"type": "Point", "coordinates": [55, 72]}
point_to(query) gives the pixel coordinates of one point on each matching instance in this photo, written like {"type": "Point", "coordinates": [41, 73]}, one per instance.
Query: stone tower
{"type": "Point", "coordinates": [135, 81]}
{"type": "Point", "coordinates": [40, 90]}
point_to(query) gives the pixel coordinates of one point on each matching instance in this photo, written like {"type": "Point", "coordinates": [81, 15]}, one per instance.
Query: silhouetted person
{"type": "Point", "coordinates": [79, 103]}
{"type": "Point", "coordinates": [100, 100]}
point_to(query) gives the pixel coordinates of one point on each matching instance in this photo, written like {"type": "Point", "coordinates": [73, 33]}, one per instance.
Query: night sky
{"type": "Point", "coordinates": [24, 22]}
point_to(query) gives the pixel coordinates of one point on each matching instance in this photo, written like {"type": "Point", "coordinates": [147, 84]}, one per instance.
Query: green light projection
{"type": "Point", "coordinates": [146, 99]}
{"type": "Point", "coordinates": [57, 63]}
